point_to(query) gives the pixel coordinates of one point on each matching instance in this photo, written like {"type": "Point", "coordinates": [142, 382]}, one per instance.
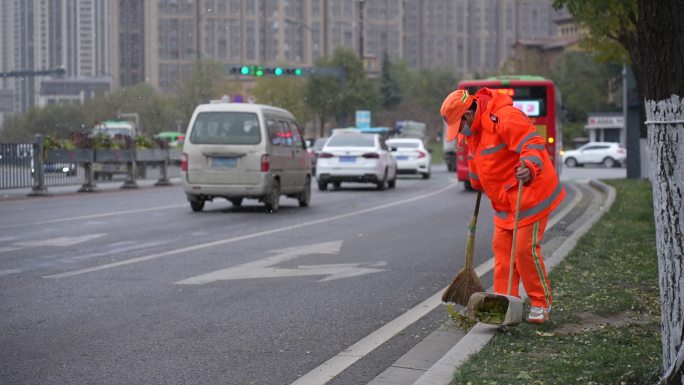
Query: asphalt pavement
{"type": "Point", "coordinates": [435, 359]}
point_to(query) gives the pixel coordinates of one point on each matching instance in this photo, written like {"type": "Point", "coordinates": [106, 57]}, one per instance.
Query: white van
{"type": "Point", "coordinates": [236, 151]}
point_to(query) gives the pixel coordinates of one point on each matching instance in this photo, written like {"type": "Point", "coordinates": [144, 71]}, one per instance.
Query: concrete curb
{"type": "Point", "coordinates": [442, 372]}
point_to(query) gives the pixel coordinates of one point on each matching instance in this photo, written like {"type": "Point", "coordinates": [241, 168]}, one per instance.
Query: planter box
{"type": "Point", "coordinates": [114, 156]}
{"type": "Point", "coordinates": [150, 155]}
{"type": "Point", "coordinates": [174, 154]}
{"type": "Point", "coordinates": [69, 156]}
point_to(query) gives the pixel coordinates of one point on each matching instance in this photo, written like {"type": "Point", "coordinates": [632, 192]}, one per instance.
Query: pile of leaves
{"type": "Point", "coordinates": [492, 310]}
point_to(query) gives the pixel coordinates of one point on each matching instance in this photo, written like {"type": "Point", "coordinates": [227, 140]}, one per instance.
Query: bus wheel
{"type": "Point", "coordinates": [467, 186]}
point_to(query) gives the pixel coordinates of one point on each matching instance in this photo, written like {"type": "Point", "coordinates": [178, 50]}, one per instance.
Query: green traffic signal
{"type": "Point", "coordinates": [244, 70]}
{"type": "Point", "coordinates": [259, 71]}
{"type": "Point", "coordinates": [298, 72]}
{"type": "Point", "coordinates": [278, 71]}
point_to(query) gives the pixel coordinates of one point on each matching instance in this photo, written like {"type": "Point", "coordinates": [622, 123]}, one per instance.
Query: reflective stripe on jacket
{"type": "Point", "coordinates": [501, 137]}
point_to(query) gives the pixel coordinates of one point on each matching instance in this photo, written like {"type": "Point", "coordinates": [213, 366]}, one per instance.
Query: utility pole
{"type": "Point", "coordinates": [325, 28]}
{"type": "Point", "coordinates": [361, 50]}
{"type": "Point", "coordinates": [198, 29]}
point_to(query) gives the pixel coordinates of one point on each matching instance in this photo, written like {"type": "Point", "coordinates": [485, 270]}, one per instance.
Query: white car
{"type": "Point", "coordinates": [356, 157]}
{"type": "Point", "coordinates": [411, 155]}
{"type": "Point", "coordinates": [607, 153]}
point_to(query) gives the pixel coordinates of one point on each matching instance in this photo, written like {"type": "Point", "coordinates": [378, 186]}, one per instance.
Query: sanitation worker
{"type": "Point", "coordinates": [504, 148]}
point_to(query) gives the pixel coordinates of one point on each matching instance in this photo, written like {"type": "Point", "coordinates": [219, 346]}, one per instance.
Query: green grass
{"type": "Point", "coordinates": [605, 327]}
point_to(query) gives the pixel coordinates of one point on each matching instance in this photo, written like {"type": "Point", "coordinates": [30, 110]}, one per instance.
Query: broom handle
{"type": "Point", "coordinates": [470, 243]}
{"type": "Point", "coordinates": [515, 233]}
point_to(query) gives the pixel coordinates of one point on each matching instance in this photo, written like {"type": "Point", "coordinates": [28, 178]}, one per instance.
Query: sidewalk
{"type": "Point", "coordinates": [435, 359]}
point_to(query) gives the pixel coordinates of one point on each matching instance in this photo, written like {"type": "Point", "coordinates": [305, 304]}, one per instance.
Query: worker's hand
{"type": "Point", "coordinates": [523, 173]}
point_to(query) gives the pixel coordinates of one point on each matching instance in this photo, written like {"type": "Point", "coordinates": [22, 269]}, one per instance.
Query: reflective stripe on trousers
{"type": "Point", "coordinates": [529, 263]}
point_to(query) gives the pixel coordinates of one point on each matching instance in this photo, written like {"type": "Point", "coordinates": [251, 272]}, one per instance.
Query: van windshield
{"type": "Point", "coordinates": [225, 128]}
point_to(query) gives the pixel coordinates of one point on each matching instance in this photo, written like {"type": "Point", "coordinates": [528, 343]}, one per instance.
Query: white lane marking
{"type": "Point", "coordinates": [61, 241]}
{"type": "Point", "coordinates": [84, 217]}
{"type": "Point", "coordinates": [247, 236]}
{"type": "Point", "coordinates": [346, 358]}
{"type": "Point", "coordinates": [263, 268]}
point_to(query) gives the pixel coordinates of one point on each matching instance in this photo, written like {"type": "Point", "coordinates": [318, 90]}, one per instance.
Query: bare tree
{"type": "Point", "coordinates": [661, 54]}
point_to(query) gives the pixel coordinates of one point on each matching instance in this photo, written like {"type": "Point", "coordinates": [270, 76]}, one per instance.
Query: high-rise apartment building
{"type": "Point", "coordinates": [125, 42]}
{"type": "Point", "coordinates": [474, 37]}
{"type": "Point", "coordinates": [47, 34]}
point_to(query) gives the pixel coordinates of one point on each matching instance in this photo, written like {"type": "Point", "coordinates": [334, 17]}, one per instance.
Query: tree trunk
{"type": "Point", "coordinates": [661, 51]}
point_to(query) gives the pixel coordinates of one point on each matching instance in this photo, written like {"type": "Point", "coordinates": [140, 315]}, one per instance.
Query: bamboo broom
{"type": "Point", "coordinates": [466, 281]}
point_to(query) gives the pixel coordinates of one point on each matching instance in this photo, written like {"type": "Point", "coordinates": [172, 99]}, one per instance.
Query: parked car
{"type": "Point", "coordinates": [411, 155]}
{"type": "Point", "coordinates": [240, 150]}
{"type": "Point", "coordinates": [314, 149]}
{"type": "Point", "coordinates": [68, 169]}
{"type": "Point", "coordinates": [356, 157]}
{"type": "Point", "coordinates": [607, 153]}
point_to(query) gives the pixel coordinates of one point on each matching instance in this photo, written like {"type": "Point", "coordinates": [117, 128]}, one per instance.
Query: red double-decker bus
{"type": "Point", "coordinates": [538, 97]}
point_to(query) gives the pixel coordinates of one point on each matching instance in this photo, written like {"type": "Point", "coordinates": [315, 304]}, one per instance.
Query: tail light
{"type": "Point", "coordinates": [265, 163]}
{"type": "Point", "coordinates": [621, 150]}
{"type": "Point", "coordinates": [184, 162]}
{"type": "Point", "coordinates": [421, 154]}
{"type": "Point", "coordinates": [325, 155]}
{"type": "Point", "coordinates": [371, 155]}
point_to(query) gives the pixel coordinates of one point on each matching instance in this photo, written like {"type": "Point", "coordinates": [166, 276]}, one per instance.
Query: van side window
{"type": "Point", "coordinates": [275, 132]}
{"type": "Point", "coordinates": [297, 136]}
{"type": "Point", "coordinates": [287, 132]}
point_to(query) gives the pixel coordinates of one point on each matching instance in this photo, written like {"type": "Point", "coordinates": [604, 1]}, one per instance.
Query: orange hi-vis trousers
{"type": "Point", "coordinates": [529, 264]}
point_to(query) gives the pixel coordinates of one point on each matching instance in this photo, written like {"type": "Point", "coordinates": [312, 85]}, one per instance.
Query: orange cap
{"type": "Point", "coordinates": [453, 108]}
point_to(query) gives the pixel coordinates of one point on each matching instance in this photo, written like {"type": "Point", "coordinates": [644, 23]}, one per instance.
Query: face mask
{"type": "Point", "coordinates": [466, 129]}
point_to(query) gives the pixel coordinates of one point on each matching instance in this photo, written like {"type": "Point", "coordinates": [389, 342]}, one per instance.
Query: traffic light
{"type": "Point", "coordinates": [259, 71]}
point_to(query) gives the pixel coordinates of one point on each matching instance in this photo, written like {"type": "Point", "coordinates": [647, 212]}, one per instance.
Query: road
{"type": "Point", "coordinates": [132, 287]}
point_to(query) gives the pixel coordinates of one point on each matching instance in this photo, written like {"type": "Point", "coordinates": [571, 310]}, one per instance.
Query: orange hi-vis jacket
{"type": "Point", "coordinates": [501, 137]}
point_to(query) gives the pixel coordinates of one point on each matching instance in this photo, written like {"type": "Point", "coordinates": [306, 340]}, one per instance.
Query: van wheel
{"type": "Point", "coordinates": [237, 202]}
{"type": "Point", "coordinates": [197, 206]}
{"type": "Point", "coordinates": [322, 186]}
{"type": "Point", "coordinates": [305, 195]}
{"type": "Point", "coordinates": [272, 200]}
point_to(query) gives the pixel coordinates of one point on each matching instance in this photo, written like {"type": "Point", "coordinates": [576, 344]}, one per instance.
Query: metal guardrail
{"type": "Point", "coordinates": [29, 165]}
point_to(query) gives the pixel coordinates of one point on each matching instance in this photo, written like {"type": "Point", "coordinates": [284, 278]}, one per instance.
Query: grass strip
{"type": "Point", "coordinates": [605, 327]}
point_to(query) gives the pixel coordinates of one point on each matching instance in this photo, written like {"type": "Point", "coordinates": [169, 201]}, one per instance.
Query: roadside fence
{"type": "Point", "coordinates": [30, 165]}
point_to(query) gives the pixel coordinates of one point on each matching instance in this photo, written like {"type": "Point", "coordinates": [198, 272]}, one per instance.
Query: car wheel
{"type": "Point", "coordinates": [426, 175]}
{"type": "Point", "coordinates": [392, 183]}
{"type": "Point", "coordinates": [237, 202]}
{"type": "Point", "coordinates": [305, 196]}
{"type": "Point", "coordinates": [571, 162]}
{"type": "Point", "coordinates": [272, 200]}
{"type": "Point", "coordinates": [383, 183]}
{"type": "Point", "coordinates": [609, 162]}
{"type": "Point", "coordinates": [322, 186]}
{"type": "Point", "coordinates": [197, 206]}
